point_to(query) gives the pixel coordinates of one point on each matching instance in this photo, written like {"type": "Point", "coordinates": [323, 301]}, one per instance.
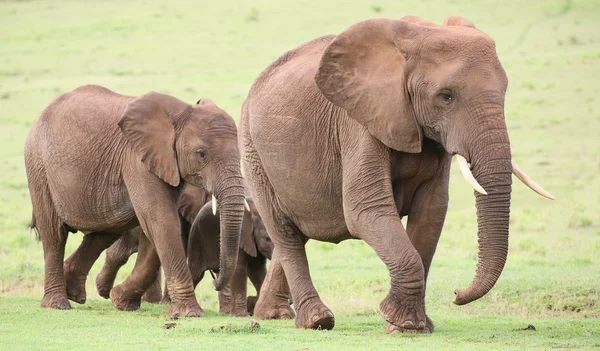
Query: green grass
{"type": "Point", "coordinates": [551, 53]}
{"type": "Point", "coordinates": [99, 326]}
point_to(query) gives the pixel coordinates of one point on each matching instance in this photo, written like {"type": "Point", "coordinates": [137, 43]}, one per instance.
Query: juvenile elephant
{"type": "Point", "coordinates": [102, 163]}
{"type": "Point", "coordinates": [255, 248]}
{"type": "Point", "coordinates": [346, 134]}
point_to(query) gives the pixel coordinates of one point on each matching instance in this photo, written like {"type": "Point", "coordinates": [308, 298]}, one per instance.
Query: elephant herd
{"type": "Point", "coordinates": [339, 138]}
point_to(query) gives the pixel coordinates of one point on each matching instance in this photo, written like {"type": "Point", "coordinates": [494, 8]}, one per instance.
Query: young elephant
{"type": "Point", "coordinates": [102, 163]}
{"type": "Point", "coordinates": [255, 248]}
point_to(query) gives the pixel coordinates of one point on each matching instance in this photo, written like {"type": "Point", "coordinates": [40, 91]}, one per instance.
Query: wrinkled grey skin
{"type": "Point", "coordinates": [346, 134]}
{"type": "Point", "coordinates": [102, 163]}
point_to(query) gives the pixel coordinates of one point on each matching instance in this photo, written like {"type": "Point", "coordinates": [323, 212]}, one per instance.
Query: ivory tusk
{"type": "Point", "coordinates": [465, 169]}
{"type": "Point", "coordinates": [529, 182]}
{"type": "Point", "coordinates": [246, 205]}
{"type": "Point", "coordinates": [214, 205]}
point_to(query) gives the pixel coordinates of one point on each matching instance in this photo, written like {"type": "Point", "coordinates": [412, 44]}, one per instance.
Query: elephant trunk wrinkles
{"type": "Point", "coordinates": [230, 197]}
{"type": "Point", "coordinates": [491, 166]}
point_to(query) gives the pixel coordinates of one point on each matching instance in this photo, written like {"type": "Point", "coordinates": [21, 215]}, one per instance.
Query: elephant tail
{"type": "Point", "coordinates": [32, 225]}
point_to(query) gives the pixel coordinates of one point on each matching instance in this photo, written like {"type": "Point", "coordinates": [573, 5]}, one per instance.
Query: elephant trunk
{"type": "Point", "coordinates": [491, 167]}
{"type": "Point", "coordinates": [230, 197]}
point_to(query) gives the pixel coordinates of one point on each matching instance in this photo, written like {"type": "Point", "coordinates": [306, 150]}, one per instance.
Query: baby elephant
{"type": "Point", "coordinates": [203, 254]}
{"type": "Point", "coordinates": [255, 248]}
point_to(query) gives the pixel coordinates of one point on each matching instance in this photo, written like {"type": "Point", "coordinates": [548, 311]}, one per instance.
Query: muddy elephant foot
{"type": "Point", "coordinates": [123, 300]}
{"type": "Point", "coordinates": [313, 314]}
{"type": "Point", "coordinates": [405, 316]}
{"type": "Point", "coordinates": [76, 287]}
{"type": "Point", "coordinates": [181, 310]}
{"type": "Point", "coordinates": [272, 309]}
{"type": "Point", "coordinates": [57, 301]}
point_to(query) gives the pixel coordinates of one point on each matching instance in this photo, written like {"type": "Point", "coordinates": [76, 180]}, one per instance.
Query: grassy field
{"type": "Point", "coordinates": [551, 53]}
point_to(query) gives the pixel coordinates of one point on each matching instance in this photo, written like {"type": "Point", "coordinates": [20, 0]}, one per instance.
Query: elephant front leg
{"type": "Point", "coordinates": [424, 226]}
{"type": "Point", "coordinates": [232, 299]}
{"type": "Point", "coordinates": [155, 208]}
{"type": "Point", "coordinates": [404, 306]}
{"type": "Point", "coordinates": [370, 213]}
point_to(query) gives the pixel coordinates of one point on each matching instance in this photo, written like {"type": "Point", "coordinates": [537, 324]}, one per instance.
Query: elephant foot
{"type": "Point", "coordinates": [240, 312]}
{"type": "Point", "coordinates": [124, 301]}
{"type": "Point", "coordinates": [313, 314]}
{"type": "Point", "coordinates": [251, 303]}
{"type": "Point", "coordinates": [405, 316]}
{"type": "Point", "coordinates": [272, 308]}
{"type": "Point", "coordinates": [76, 287]}
{"type": "Point", "coordinates": [390, 328]}
{"type": "Point", "coordinates": [102, 286]}
{"type": "Point", "coordinates": [181, 310]}
{"type": "Point", "coordinates": [57, 301]}
{"type": "Point", "coordinates": [153, 295]}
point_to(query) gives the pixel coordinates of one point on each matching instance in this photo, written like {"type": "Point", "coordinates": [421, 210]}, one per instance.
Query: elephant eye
{"type": "Point", "coordinates": [446, 96]}
{"type": "Point", "coordinates": [201, 153]}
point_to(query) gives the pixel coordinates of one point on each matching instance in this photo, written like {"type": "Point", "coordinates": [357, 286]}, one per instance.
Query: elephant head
{"type": "Point", "coordinates": [196, 144]}
{"type": "Point", "coordinates": [408, 79]}
{"type": "Point", "coordinates": [254, 238]}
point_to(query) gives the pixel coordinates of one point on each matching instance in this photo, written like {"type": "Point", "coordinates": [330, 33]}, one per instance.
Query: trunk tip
{"type": "Point", "coordinates": [460, 298]}
{"type": "Point", "coordinates": [219, 284]}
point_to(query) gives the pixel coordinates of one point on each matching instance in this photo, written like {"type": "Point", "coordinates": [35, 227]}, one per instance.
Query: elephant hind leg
{"type": "Point", "coordinates": [78, 265]}
{"type": "Point", "coordinates": [273, 301]}
{"type": "Point", "coordinates": [127, 296]}
{"type": "Point", "coordinates": [53, 234]}
{"type": "Point", "coordinates": [117, 256]}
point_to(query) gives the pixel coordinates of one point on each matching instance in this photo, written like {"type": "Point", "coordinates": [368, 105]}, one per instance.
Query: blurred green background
{"type": "Point", "coordinates": [192, 49]}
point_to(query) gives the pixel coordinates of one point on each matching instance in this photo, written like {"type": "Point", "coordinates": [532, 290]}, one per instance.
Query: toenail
{"type": "Point", "coordinates": [408, 325]}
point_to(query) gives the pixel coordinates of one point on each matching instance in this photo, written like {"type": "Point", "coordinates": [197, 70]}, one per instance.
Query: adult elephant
{"type": "Point", "coordinates": [103, 163]}
{"type": "Point", "coordinates": [346, 134]}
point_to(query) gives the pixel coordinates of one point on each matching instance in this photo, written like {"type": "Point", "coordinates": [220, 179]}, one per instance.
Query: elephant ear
{"type": "Point", "coordinates": [363, 71]}
{"type": "Point", "coordinates": [458, 21]}
{"type": "Point", "coordinates": [247, 239]}
{"type": "Point", "coordinates": [190, 201]}
{"type": "Point", "coordinates": [149, 129]}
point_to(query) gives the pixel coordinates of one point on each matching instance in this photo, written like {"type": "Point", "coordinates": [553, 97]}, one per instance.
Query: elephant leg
{"type": "Point", "coordinates": [117, 256]}
{"type": "Point", "coordinates": [53, 235]}
{"type": "Point", "coordinates": [155, 207]}
{"type": "Point", "coordinates": [424, 226]}
{"type": "Point", "coordinates": [127, 296]}
{"type": "Point", "coordinates": [257, 271]}
{"type": "Point", "coordinates": [154, 293]}
{"type": "Point", "coordinates": [78, 265]}
{"type": "Point", "coordinates": [371, 214]}
{"type": "Point", "coordinates": [233, 301]}
{"type": "Point", "coordinates": [273, 301]}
